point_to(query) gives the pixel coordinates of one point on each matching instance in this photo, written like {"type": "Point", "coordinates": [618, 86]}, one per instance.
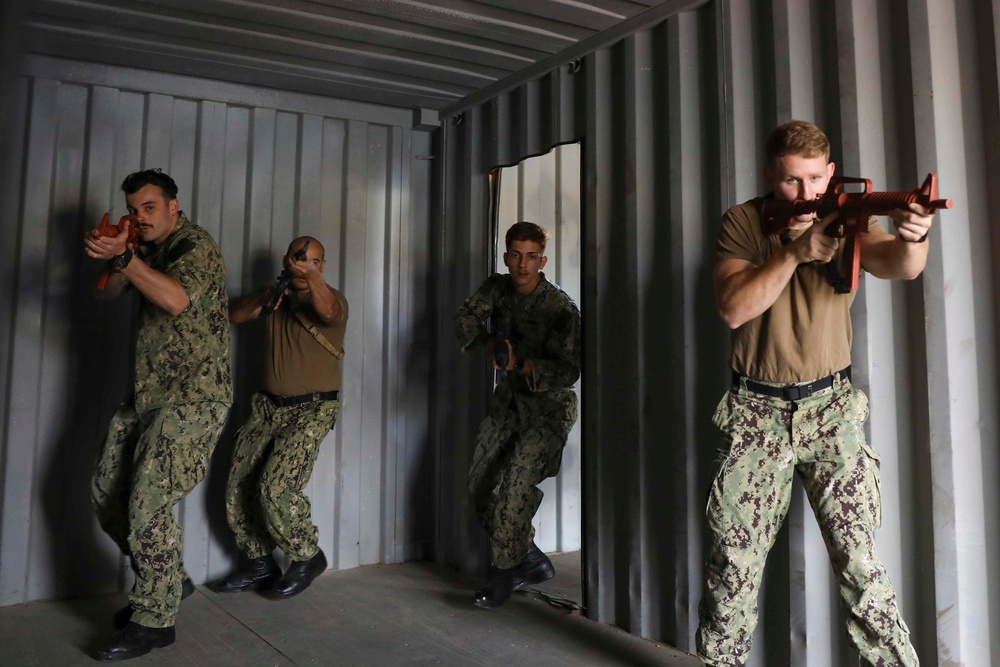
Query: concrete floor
{"type": "Point", "coordinates": [384, 616]}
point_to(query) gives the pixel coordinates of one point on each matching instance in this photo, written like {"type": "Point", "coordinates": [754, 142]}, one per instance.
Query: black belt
{"type": "Point", "coordinates": [285, 401]}
{"type": "Point", "coordinates": [790, 392]}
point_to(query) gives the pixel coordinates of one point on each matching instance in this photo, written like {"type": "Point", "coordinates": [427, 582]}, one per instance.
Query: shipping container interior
{"type": "Point", "coordinates": [627, 127]}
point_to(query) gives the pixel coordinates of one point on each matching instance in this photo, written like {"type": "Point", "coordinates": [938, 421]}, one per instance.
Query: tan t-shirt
{"type": "Point", "coordinates": [807, 333]}
{"type": "Point", "coordinates": [296, 363]}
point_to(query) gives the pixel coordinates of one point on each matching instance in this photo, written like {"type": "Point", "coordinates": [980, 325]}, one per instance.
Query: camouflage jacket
{"type": "Point", "coordinates": [185, 359]}
{"type": "Point", "coordinates": [544, 328]}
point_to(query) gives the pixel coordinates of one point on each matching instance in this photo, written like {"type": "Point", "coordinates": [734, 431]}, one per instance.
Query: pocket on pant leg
{"type": "Point", "coordinates": [722, 419]}
{"type": "Point", "coordinates": [188, 434]}
{"type": "Point", "coordinates": [751, 489]}
{"type": "Point", "coordinates": [555, 457]}
{"type": "Point", "coordinates": [857, 405]}
{"type": "Point", "coordinates": [852, 407]}
{"type": "Point", "coordinates": [113, 468]}
{"type": "Point", "coordinates": [873, 480]}
{"type": "Point", "coordinates": [723, 414]}
{"type": "Point", "coordinates": [721, 513]}
{"type": "Point", "coordinates": [305, 461]}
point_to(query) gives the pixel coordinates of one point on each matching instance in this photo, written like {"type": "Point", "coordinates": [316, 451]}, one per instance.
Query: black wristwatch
{"type": "Point", "coordinates": [119, 262]}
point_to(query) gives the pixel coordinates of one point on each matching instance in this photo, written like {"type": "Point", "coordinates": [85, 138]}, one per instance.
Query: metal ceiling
{"type": "Point", "coordinates": [427, 54]}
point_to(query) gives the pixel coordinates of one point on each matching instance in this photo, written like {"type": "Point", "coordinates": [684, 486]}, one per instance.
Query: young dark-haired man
{"type": "Point", "coordinates": [161, 438]}
{"type": "Point", "coordinates": [277, 448]}
{"type": "Point", "coordinates": [792, 409]}
{"type": "Point", "coordinates": [533, 408]}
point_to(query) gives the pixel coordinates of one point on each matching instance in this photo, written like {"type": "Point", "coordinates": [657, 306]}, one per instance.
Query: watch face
{"type": "Point", "coordinates": [122, 260]}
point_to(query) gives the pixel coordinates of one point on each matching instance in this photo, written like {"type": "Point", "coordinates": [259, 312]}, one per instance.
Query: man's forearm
{"type": "Point", "coordinates": [324, 301]}
{"type": "Point", "coordinates": [910, 258]}
{"type": "Point", "coordinates": [159, 288]}
{"type": "Point", "coordinates": [549, 374]}
{"type": "Point", "coordinates": [469, 327]}
{"type": "Point", "coordinates": [114, 288]}
{"type": "Point", "coordinates": [745, 294]}
{"type": "Point", "coordinates": [894, 258]}
{"type": "Point", "coordinates": [248, 307]}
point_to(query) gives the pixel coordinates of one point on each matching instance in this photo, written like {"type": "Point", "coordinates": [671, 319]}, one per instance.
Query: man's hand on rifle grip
{"type": "Point", "coordinates": [305, 269]}
{"type": "Point", "coordinates": [511, 359]}
{"type": "Point", "coordinates": [106, 247]}
{"type": "Point", "coordinates": [814, 245]}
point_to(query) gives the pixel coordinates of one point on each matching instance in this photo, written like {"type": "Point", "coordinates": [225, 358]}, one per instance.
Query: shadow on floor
{"type": "Point", "coordinates": [566, 588]}
{"type": "Point", "coordinates": [379, 615]}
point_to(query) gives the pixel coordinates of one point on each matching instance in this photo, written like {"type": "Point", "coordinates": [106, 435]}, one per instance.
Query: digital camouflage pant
{"type": "Point", "coordinates": [515, 451]}
{"type": "Point", "coordinates": [273, 461]}
{"type": "Point", "coordinates": [821, 439]}
{"type": "Point", "coordinates": [148, 463]}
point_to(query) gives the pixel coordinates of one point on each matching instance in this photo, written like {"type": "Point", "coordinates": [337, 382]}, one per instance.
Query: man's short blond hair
{"type": "Point", "coordinates": [797, 137]}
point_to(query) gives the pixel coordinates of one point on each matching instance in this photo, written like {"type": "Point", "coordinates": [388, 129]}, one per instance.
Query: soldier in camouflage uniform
{"type": "Point", "coordinates": [792, 409]}
{"type": "Point", "coordinates": [520, 441]}
{"type": "Point", "coordinates": [160, 440]}
{"type": "Point", "coordinates": [277, 448]}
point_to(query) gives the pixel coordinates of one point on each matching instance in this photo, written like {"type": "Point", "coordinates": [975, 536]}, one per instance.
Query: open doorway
{"type": "Point", "coordinates": [546, 190]}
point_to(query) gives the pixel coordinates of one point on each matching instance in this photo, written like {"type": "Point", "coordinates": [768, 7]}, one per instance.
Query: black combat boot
{"type": "Point", "coordinates": [135, 640]}
{"type": "Point", "coordinates": [258, 573]}
{"type": "Point", "coordinates": [497, 589]}
{"type": "Point", "coordinates": [534, 569]}
{"type": "Point", "coordinates": [299, 575]}
{"type": "Point", "coordinates": [124, 615]}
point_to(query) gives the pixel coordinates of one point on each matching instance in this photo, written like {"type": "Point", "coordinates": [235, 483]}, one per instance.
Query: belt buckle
{"type": "Point", "coordinates": [797, 392]}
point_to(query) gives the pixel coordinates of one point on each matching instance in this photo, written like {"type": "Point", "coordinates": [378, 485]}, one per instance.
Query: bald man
{"type": "Point", "coordinates": [277, 448]}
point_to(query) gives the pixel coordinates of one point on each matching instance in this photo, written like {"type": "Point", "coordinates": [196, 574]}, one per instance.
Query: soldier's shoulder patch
{"type": "Point", "coordinates": [181, 248]}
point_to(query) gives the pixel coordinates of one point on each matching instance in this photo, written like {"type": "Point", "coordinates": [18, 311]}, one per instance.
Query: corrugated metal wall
{"type": "Point", "coordinates": [672, 120]}
{"type": "Point", "coordinates": [255, 168]}
{"type": "Point", "coordinates": [545, 189]}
